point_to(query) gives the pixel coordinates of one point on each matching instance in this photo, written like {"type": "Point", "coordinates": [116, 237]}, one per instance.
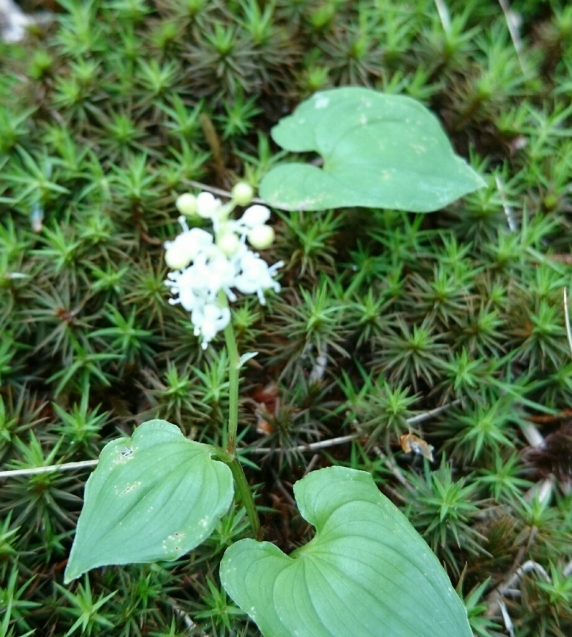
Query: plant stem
{"type": "Point", "coordinates": [233, 377]}
{"type": "Point", "coordinates": [242, 486]}
{"type": "Point", "coordinates": [243, 489]}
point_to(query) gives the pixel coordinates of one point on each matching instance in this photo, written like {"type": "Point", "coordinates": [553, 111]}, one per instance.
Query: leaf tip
{"type": "Point", "coordinates": [72, 572]}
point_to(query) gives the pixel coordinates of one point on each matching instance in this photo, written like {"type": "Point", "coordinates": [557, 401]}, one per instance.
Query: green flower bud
{"type": "Point", "coordinates": [186, 204]}
{"type": "Point", "coordinates": [261, 237]}
{"type": "Point", "coordinates": [242, 193]}
{"type": "Point", "coordinates": [177, 257]}
{"type": "Point", "coordinates": [228, 243]}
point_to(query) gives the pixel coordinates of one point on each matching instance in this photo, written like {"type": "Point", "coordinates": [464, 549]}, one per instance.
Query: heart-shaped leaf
{"type": "Point", "coordinates": [154, 496]}
{"type": "Point", "coordinates": [379, 151]}
{"type": "Point", "coordinates": [366, 572]}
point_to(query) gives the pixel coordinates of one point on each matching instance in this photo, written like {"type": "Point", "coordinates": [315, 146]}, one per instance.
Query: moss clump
{"type": "Point", "coordinates": [449, 325]}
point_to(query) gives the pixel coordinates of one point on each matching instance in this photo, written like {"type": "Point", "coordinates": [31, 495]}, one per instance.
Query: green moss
{"type": "Point", "coordinates": [449, 326]}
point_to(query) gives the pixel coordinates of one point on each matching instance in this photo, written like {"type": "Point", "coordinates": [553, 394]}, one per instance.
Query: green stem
{"type": "Point", "coordinates": [233, 377]}
{"type": "Point", "coordinates": [242, 486]}
{"type": "Point", "coordinates": [245, 495]}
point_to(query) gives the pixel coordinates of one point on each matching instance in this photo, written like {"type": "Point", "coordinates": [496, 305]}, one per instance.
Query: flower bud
{"type": "Point", "coordinates": [255, 216]}
{"type": "Point", "coordinates": [177, 257]}
{"type": "Point", "coordinates": [186, 204]}
{"type": "Point", "coordinates": [228, 243]}
{"type": "Point", "coordinates": [261, 237]}
{"type": "Point", "coordinates": [207, 205]}
{"type": "Point", "coordinates": [242, 193]}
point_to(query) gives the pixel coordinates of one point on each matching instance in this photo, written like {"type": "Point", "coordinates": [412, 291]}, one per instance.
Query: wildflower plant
{"type": "Point", "coordinates": [157, 495]}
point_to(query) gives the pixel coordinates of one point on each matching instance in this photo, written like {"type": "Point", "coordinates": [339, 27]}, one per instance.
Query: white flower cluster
{"type": "Point", "coordinates": [206, 267]}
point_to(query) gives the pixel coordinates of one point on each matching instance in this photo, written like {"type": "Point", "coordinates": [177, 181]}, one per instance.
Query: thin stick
{"type": "Point", "coordinates": [432, 412]}
{"type": "Point", "coordinates": [319, 369]}
{"type": "Point", "coordinates": [541, 490]}
{"type": "Point", "coordinates": [217, 191]}
{"type": "Point", "coordinates": [323, 444]}
{"type": "Point", "coordinates": [53, 467]}
{"type": "Point", "coordinates": [393, 468]}
{"type": "Point", "coordinates": [189, 623]}
{"type": "Point", "coordinates": [515, 577]}
{"type": "Point", "coordinates": [310, 447]}
{"type": "Point", "coordinates": [495, 597]}
{"type": "Point", "coordinates": [312, 463]}
{"type": "Point", "coordinates": [283, 490]}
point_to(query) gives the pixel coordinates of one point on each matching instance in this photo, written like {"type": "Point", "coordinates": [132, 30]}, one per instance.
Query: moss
{"type": "Point", "coordinates": [449, 325]}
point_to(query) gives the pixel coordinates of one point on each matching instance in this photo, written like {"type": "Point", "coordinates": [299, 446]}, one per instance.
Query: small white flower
{"type": "Point", "coordinates": [181, 283]}
{"type": "Point", "coordinates": [208, 205]}
{"type": "Point", "coordinates": [203, 269]}
{"type": "Point", "coordinates": [256, 277]}
{"type": "Point", "coordinates": [180, 252]}
{"type": "Point", "coordinates": [209, 319]}
{"type": "Point", "coordinates": [220, 273]}
{"type": "Point", "coordinates": [256, 215]}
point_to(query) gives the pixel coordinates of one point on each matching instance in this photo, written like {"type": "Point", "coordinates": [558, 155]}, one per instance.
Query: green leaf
{"type": "Point", "coordinates": [154, 496]}
{"type": "Point", "coordinates": [380, 151]}
{"type": "Point", "coordinates": [366, 572]}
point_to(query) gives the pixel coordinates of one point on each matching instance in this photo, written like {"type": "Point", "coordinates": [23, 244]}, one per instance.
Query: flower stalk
{"type": "Point", "coordinates": [245, 496]}
{"type": "Point", "coordinates": [206, 266]}
{"type": "Point", "coordinates": [233, 381]}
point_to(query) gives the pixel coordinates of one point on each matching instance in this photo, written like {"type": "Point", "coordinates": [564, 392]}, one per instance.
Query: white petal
{"type": "Point", "coordinates": [207, 205]}
{"type": "Point", "coordinates": [186, 247]}
{"type": "Point", "coordinates": [255, 216]}
{"type": "Point", "coordinates": [209, 319]}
